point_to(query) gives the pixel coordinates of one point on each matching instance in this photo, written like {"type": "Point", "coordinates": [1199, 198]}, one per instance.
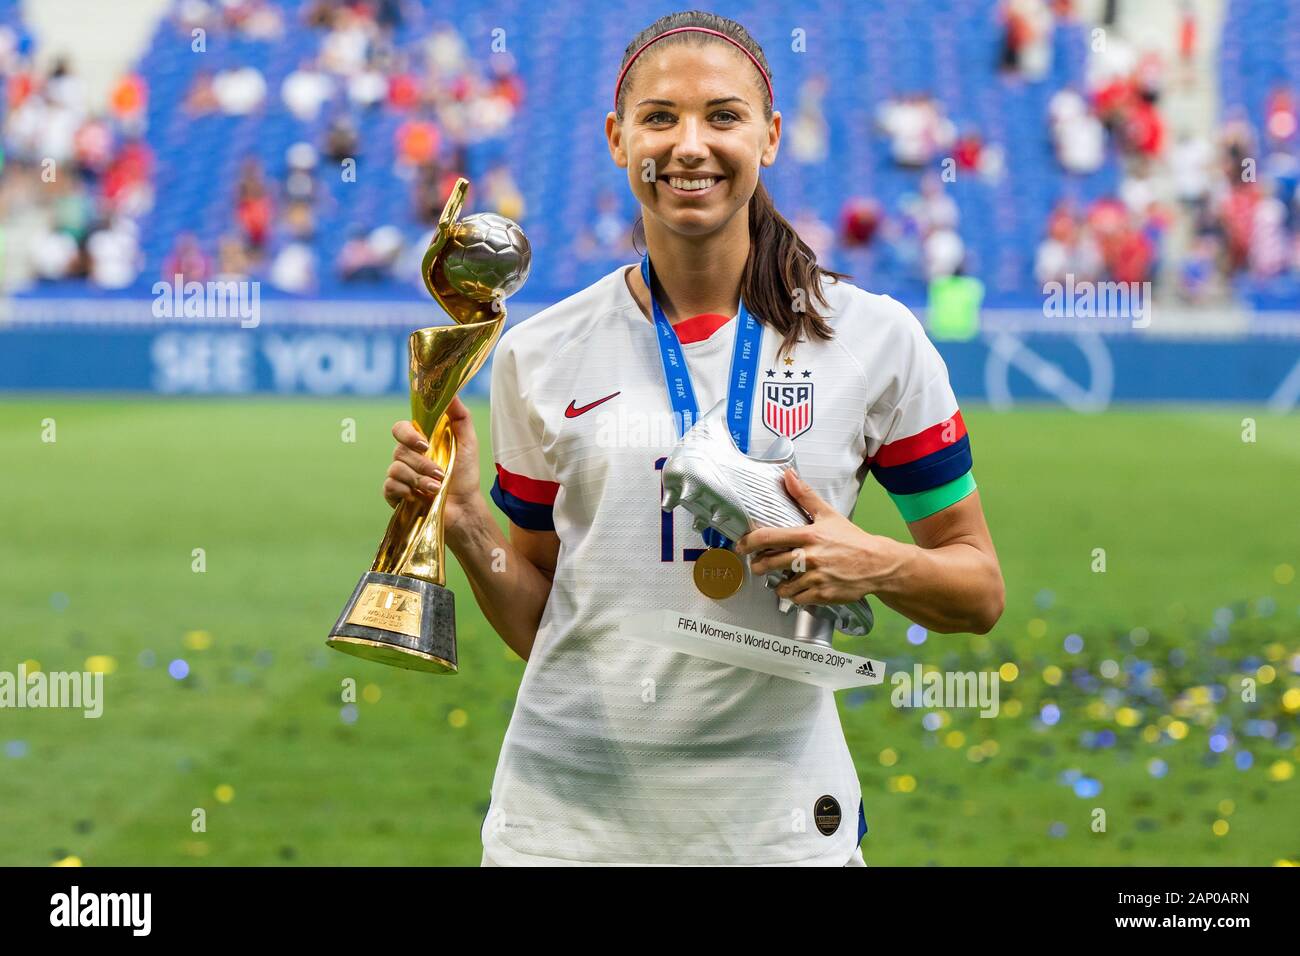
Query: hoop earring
{"type": "Point", "coordinates": [638, 222]}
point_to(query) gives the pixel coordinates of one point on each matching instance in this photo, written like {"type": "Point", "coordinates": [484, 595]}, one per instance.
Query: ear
{"type": "Point", "coordinates": [773, 141]}
{"type": "Point", "coordinates": [614, 136]}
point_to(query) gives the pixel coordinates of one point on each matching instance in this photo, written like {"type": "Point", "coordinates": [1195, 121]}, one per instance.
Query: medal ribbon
{"type": "Point", "coordinates": [677, 377]}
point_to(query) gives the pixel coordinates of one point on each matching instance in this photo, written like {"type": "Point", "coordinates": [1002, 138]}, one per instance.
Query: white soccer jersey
{"type": "Point", "coordinates": [620, 751]}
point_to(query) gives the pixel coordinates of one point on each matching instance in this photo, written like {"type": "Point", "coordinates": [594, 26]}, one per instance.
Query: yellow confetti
{"type": "Point", "coordinates": [1127, 717]}
{"type": "Point", "coordinates": [1281, 770]}
{"type": "Point", "coordinates": [68, 861]}
{"type": "Point", "coordinates": [955, 739]}
{"type": "Point", "coordinates": [224, 793]}
{"type": "Point", "coordinates": [1008, 672]}
{"type": "Point", "coordinates": [1220, 828]}
{"type": "Point", "coordinates": [1012, 708]}
{"type": "Point", "coordinates": [458, 718]}
{"type": "Point", "coordinates": [101, 664]}
{"type": "Point", "coordinates": [888, 757]}
{"type": "Point", "coordinates": [1037, 627]}
{"type": "Point", "coordinates": [1284, 574]}
{"type": "Point", "coordinates": [31, 666]}
{"type": "Point", "coordinates": [371, 694]}
{"type": "Point", "coordinates": [1176, 729]}
{"type": "Point", "coordinates": [198, 640]}
{"type": "Point", "coordinates": [1226, 808]}
{"type": "Point", "coordinates": [1291, 700]}
{"type": "Point", "coordinates": [902, 783]}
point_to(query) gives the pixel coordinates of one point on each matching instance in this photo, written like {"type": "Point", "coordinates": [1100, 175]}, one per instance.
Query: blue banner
{"type": "Point", "coordinates": [1086, 371]}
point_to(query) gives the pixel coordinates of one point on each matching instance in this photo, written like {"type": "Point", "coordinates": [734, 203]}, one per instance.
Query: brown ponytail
{"type": "Point", "coordinates": [782, 282]}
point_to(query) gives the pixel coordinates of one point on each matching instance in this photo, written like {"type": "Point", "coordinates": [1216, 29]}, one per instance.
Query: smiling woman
{"type": "Point", "coordinates": [693, 123]}
{"type": "Point", "coordinates": [622, 751]}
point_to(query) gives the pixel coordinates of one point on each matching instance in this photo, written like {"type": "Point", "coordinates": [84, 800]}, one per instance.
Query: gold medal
{"type": "Point", "coordinates": [718, 573]}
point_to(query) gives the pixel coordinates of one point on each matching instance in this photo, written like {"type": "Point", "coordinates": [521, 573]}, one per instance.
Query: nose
{"type": "Point", "coordinates": [690, 144]}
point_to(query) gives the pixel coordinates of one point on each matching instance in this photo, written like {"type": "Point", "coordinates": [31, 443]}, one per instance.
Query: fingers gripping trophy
{"type": "Point", "coordinates": [401, 612]}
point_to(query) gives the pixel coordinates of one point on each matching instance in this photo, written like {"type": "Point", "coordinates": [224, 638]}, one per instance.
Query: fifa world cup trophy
{"type": "Point", "coordinates": [401, 612]}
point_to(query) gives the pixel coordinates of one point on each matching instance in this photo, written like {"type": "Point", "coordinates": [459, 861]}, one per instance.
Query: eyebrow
{"type": "Point", "coordinates": [714, 102]}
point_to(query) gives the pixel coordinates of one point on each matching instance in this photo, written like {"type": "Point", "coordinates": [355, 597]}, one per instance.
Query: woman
{"type": "Point", "coordinates": [620, 751]}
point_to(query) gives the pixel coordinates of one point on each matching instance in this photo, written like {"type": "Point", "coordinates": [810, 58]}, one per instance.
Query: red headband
{"type": "Point", "coordinates": [753, 59]}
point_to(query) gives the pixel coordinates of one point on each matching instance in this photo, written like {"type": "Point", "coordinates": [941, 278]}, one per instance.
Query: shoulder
{"type": "Point", "coordinates": [877, 330]}
{"type": "Point", "coordinates": [856, 312]}
{"type": "Point", "coordinates": [543, 333]}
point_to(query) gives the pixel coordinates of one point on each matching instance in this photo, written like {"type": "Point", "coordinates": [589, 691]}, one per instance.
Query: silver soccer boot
{"type": "Point", "coordinates": [734, 493]}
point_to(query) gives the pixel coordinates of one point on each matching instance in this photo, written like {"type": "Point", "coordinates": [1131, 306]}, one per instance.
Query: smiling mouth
{"type": "Point", "coordinates": [692, 186]}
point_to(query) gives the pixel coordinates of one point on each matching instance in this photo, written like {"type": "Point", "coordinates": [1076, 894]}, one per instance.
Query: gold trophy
{"type": "Point", "coordinates": [401, 612]}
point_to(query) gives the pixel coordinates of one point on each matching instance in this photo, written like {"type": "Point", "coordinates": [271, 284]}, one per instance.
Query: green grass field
{"type": "Point", "coordinates": [1201, 533]}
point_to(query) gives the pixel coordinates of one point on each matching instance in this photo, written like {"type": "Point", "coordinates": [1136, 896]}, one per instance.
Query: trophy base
{"type": "Point", "coordinates": [401, 621]}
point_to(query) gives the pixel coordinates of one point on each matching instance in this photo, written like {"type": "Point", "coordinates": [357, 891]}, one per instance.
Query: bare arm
{"type": "Point", "coordinates": [511, 578]}
{"type": "Point", "coordinates": [949, 580]}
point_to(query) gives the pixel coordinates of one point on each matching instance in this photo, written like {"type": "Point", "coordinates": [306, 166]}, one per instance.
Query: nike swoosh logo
{"type": "Point", "coordinates": [573, 411]}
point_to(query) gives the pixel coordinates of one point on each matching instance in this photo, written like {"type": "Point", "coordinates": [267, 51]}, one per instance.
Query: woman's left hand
{"type": "Point", "coordinates": [835, 561]}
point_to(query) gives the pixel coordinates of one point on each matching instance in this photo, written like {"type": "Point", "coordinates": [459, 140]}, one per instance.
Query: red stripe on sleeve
{"type": "Point", "coordinates": [934, 438]}
{"type": "Point", "coordinates": [529, 489]}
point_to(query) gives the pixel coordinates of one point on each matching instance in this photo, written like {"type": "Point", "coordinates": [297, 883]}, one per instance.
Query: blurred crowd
{"type": "Point", "coordinates": [1118, 237]}
{"type": "Point", "coordinates": [1242, 197]}
{"type": "Point", "coordinates": [446, 100]}
{"type": "Point", "coordinates": [83, 177]}
{"type": "Point", "coordinates": [86, 173]}
{"type": "Point", "coordinates": [1190, 209]}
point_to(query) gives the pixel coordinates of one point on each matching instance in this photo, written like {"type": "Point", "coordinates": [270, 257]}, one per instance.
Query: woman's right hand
{"type": "Point", "coordinates": [414, 476]}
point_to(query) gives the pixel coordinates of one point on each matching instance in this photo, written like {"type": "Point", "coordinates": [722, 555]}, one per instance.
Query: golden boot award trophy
{"type": "Point", "coordinates": [401, 613]}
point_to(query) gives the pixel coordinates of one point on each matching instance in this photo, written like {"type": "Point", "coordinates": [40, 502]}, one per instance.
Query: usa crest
{"type": "Point", "coordinates": [788, 408]}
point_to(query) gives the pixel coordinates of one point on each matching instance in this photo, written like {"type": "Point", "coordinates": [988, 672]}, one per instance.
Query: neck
{"type": "Point", "coordinates": [694, 274]}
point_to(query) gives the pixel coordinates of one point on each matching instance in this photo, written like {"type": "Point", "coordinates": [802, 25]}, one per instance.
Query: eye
{"type": "Point", "coordinates": [726, 115]}
{"type": "Point", "coordinates": [659, 116]}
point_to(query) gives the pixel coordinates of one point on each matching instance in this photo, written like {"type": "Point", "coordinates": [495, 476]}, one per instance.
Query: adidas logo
{"type": "Point", "coordinates": [866, 668]}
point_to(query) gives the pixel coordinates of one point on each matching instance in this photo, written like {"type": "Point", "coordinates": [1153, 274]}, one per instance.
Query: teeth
{"type": "Point", "coordinates": [690, 183]}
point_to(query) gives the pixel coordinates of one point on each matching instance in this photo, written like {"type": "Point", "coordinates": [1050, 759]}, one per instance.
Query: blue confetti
{"type": "Point", "coordinates": [1086, 787]}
